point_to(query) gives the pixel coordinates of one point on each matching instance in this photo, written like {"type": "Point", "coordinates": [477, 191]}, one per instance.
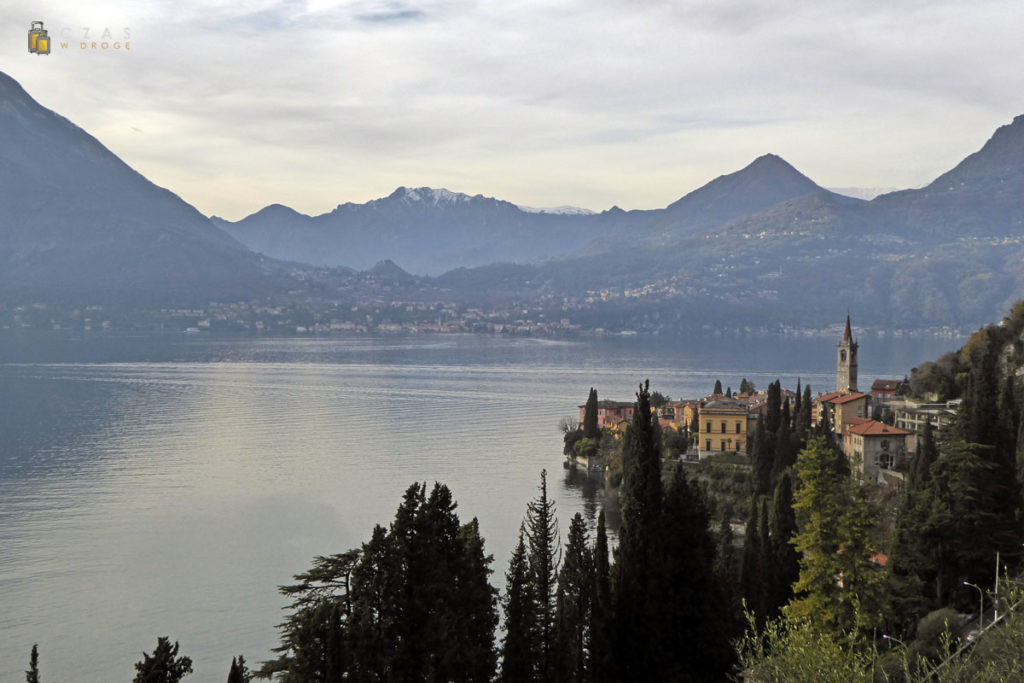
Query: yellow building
{"type": "Point", "coordinates": [722, 426]}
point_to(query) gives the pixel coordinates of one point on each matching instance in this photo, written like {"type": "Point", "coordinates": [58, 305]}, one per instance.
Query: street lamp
{"type": "Point", "coordinates": [895, 640]}
{"type": "Point", "coordinates": [981, 608]}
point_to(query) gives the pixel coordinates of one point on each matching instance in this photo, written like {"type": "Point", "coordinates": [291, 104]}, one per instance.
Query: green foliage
{"type": "Point", "coordinates": [659, 399]}
{"type": "Point", "coordinates": [413, 603]}
{"type": "Point", "coordinates": [796, 651]}
{"type": "Point", "coordinates": [164, 665]}
{"type": "Point", "coordinates": [838, 587]}
{"type": "Point", "coordinates": [584, 448]}
{"type": "Point", "coordinates": [572, 606]}
{"type": "Point", "coordinates": [602, 667]}
{"type": "Point", "coordinates": [239, 672]}
{"type": "Point", "coordinates": [519, 644]}
{"type": "Point", "coordinates": [718, 388]}
{"type": "Point", "coordinates": [32, 675]}
{"type": "Point", "coordinates": [542, 542]}
{"type": "Point", "coordinates": [590, 429]}
{"type": "Point", "coordinates": [747, 387]}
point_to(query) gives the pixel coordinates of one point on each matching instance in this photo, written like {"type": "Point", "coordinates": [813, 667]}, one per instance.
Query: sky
{"type": "Point", "coordinates": [237, 104]}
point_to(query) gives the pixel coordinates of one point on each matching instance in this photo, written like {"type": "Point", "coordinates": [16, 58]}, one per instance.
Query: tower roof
{"type": "Point", "coordinates": [847, 334]}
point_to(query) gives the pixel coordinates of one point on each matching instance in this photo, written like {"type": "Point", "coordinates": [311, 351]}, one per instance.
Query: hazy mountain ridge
{"type": "Point", "coordinates": [78, 221]}
{"type": "Point", "coordinates": [761, 246]}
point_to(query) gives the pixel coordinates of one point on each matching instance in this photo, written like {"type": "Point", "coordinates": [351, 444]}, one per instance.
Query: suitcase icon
{"type": "Point", "coordinates": [38, 39]}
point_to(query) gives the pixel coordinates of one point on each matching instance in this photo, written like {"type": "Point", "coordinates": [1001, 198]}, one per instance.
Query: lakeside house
{"type": "Point", "coordinates": [611, 413]}
{"type": "Point", "coordinates": [723, 425]}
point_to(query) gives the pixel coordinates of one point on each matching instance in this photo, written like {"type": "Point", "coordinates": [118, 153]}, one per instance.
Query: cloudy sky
{"type": "Point", "coordinates": [310, 103]}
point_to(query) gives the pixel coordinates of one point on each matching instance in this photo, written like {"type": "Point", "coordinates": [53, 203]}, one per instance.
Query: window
{"type": "Point", "coordinates": [842, 355]}
{"type": "Point", "coordinates": [723, 427]}
{"type": "Point", "coordinates": [707, 445]}
{"type": "Point", "coordinates": [738, 427]}
{"type": "Point", "coordinates": [709, 430]}
{"type": "Point", "coordinates": [722, 443]}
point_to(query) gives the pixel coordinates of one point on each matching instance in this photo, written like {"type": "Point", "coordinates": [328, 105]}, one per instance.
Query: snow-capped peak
{"type": "Point", "coordinates": [562, 210]}
{"type": "Point", "coordinates": [430, 195]}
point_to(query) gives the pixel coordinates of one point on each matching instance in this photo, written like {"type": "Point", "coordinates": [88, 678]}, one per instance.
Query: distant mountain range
{"type": "Point", "coordinates": [761, 247]}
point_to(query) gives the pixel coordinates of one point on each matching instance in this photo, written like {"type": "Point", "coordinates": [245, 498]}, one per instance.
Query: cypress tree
{"type": "Point", "coordinates": [773, 407]}
{"type": "Point", "coordinates": [752, 574]}
{"type": "Point", "coordinates": [601, 663]}
{"type": "Point", "coordinates": [763, 459]}
{"type": "Point", "coordinates": [32, 675]}
{"type": "Point", "coordinates": [475, 609]}
{"type": "Point", "coordinates": [718, 388]}
{"type": "Point", "coordinates": [519, 646]}
{"type": "Point", "coordinates": [689, 605]}
{"type": "Point", "coordinates": [639, 549]}
{"type": "Point", "coordinates": [785, 563]}
{"type": "Point", "coordinates": [590, 430]}
{"type": "Point", "coordinates": [542, 540]}
{"type": "Point", "coordinates": [802, 420]}
{"type": "Point", "coordinates": [573, 604]}
{"type": "Point", "coordinates": [239, 672]}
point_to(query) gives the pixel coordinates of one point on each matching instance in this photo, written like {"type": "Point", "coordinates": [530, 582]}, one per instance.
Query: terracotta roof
{"type": "Point", "coordinates": [876, 428]}
{"type": "Point", "coordinates": [828, 397]}
{"type": "Point", "coordinates": [886, 384]}
{"type": "Point", "coordinates": [853, 421]}
{"type": "Point", "coordinates": [846, 398]}
{"type": "Point", "coordinates": [730, 405]}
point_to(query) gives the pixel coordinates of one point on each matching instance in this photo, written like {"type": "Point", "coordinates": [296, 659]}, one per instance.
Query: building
{"type": "Point", "coordinates": [846, 361]}
{"type": "Point", "coordinates": [885, 390]}
{"type": "Point", "coordinates": [841, 409]}
{"type": "Point", "coordinates": [610, 412]}
{"type": "Point", "coordinates": [722, 426]}
{"type": "Point", "coordinates": [874, 448]}
{"type": "Point", "coordinates": [912, 415]}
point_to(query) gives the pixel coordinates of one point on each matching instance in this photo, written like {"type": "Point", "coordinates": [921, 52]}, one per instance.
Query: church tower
{"type": "Point", "coordinates": [846, 361]}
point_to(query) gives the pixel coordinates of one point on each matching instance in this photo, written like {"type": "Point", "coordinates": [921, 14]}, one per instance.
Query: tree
{"type": "Point", "coordinates": [837, 586]}
{"type": "Point", "coordinates": [601, 636]}
{"type": "Point", "coordinates": [573, 604]}
{"type": "Point", "coordinates": [164, 665]}
{"type": "Point", "coordinates": [773, 408]}
{"type": "Point", "coordinates": [590, 428]}
{"type": "Point", "coordinates": [784, 562]}
{"type": "Point", "coordinates": [542, 541]}
{"type": "Point", "coordinates": [239, 672]}
{"type": "Point", "coordinates": [746, 387]}
{"type": "Point", "coordinates": [718, 388]}
{"type": "Point", "coordinates": [659, 399]}
{"type": "Point", "coordinates": [414, 603]}
{"type": "Point", "coordinates": [639, 549]}
{"type": "Point", "coordinates": [518, 652]}
{"type": "Point", "coordinates": [32, 675]}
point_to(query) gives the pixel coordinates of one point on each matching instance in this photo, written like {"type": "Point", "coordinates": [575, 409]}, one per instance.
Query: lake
{"type": "Point", "coordinates": [166, 485]}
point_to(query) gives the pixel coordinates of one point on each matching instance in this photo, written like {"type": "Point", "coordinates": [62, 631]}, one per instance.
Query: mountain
{"type": "Point", "coordinates": [428, 231]}
{"type": "Point", "coordinates": [78, 223]}
{"type": "Point", "coordinates": [766, 247]}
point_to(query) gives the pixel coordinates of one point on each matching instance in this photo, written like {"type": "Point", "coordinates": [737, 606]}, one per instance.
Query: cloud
{"type": "Point", "coordinates": [317, 102]}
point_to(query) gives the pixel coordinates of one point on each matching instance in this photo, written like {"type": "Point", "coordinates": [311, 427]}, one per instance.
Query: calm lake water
{"type": "Point", "coordinates": [167, 485]}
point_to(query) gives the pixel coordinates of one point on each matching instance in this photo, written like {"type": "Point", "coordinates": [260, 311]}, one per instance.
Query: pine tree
{"type": "Point", "coordinates": [542, 540]}
{"type": "Point", "coordinates": [573, 604]}
{"type": "Point", "coordinates": [519, 646]}
{"type": "Point", "coordinates": [590, 429]}
{"type": "Point", "coordinates": [601, 662]}
{"type": "Point", "coordinates": [164, 665]}
{"type": "Point", "coordinates": [32, 675]}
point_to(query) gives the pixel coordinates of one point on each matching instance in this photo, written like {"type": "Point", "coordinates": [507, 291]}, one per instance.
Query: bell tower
{"type": "Point", "coordinates": [846, 361]}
